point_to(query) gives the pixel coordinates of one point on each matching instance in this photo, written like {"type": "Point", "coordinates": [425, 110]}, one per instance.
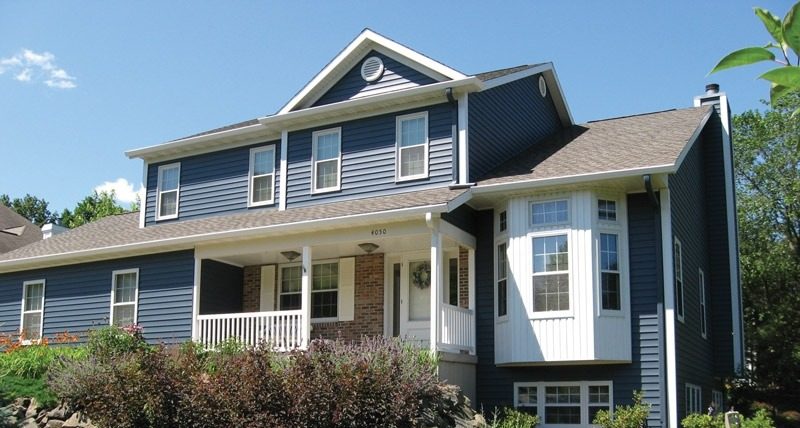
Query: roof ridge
{"type": "Point", "coordinates": [642, 114]}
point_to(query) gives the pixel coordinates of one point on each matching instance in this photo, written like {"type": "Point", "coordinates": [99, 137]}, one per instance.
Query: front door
{"type": "Point", "coordinates": [411, 277]}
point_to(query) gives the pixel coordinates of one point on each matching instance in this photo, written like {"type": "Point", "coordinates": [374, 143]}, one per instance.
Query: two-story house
{"type": "Point", "coordinates": [552, 266]}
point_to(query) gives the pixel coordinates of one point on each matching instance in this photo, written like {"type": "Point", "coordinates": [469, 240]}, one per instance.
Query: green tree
{"type": "Point", "coordinates": [767, 166]}
{"type": "Point", "coordinates": [786, 42]}
{"type": "Point", "coordinates": [91, 208]}
{"type": "Point", "coordinates": [34, 209]}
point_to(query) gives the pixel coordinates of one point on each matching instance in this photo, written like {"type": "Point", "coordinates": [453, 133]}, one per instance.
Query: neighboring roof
{"type": "Point", "coordinates": [494, 74]}
{"type": "Point", "coordinates": [626, 143]}
{"type": "Point", "coordinates": [117, 232]}
{"type": "Point", "coordinates": [222, 128]}
{"type": "Point", "coordinates": [15, 230]}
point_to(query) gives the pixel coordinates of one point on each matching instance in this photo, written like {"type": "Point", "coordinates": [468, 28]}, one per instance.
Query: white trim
{"type": "Point", "coordinates": [572, 179]}
{"type": "Point", "coordinates": [362, 43]}
{"type": "Point", "coordinates": [693, 139]}
{"type": "Point", "coordinates": [25, 285]}
{"type": "Point", "coordinates": [281, 293]}
{"type": "Point", "coordinates": [680, 307]}
{"type": "Point", "coordinates": [175, 145]}
{"type": "Point", "coordinates": [733, 242]}
{"type": "Point", "coordinates": [251, 177]}
{"type": "Point", "coordinates": [570, 272]}
{"type": "Point", "coordinates": [531, 203]}
{"type": "Point", "coordinates": [113, 293]}
{"type": "Point", "coordinates": [196, 284]}
{"type": "Point", "coordinates": [669, 309]}
{"type": "Point", "coordinates": [284, 169]}
{"type": "Point", "coordinates": [143, 195]}
{"type": "Point", "coordinates": [177, 191]}
{"type": "Point", "coordinates": [497, 279]}
{"type": "Point", "coordinates": [338, 159]}
{"type": "Point", "coordinates": [399, 150]}
{"type": "Point", "coordinates": [463, 139]}
{"type": "Point", "coordinates": [305, 298]}
{"type": "Point", "coordinates": [701, 285]}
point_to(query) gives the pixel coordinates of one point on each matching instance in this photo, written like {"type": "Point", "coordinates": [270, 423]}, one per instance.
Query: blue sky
{"type": "Point", "coordinates": [85, 81]}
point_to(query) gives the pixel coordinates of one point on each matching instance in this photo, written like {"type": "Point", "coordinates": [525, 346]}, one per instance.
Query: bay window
{"type": "Point", "coordinates": [609, 272]}
{"type": "Point", "coordinates": [550, 273]}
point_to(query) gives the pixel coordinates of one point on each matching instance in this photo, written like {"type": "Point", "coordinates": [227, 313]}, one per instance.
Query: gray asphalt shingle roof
{"type": "Point", "coordinates": [632, 142]}
{"type": "Point", "coordinates": [15, 230]}
{"type": "Point", "coordinates": [123, 229]}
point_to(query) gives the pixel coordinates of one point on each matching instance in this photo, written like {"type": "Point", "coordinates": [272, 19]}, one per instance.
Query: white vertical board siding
{"type": "Point", "coordinates": [582, 333]}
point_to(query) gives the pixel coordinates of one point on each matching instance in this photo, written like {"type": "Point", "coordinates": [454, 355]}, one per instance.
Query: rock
{"type": "Point", "coordinates": [29, 423]}
{"type": "Point", "coordinates": [62, 412]}
{"type": "Point", "coordinates": [33, 408]}
{"type": "Point", "coordinates": [11, 421]}
{"type": "Point", "coordinates": [54, 423]}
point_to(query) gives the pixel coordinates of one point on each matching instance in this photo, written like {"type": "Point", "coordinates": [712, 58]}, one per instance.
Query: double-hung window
{"type": "Point", "coordinates": [678, 261]}
{"type": "Point", "coordinates": [562, 405]}
{"type": "Point", "coordinates": [262, 175]}
{"type": "Point", "coordinates": [694, 399]}
{"type": "Point", "coordinates": [412, 146]}
{"type": "Point", "coordinates": [169, 178]}
{"type": "Point", "coordinates": [32, 309]}
{"type": "Point", "coordinates": [550, 273]}
{"type": "Point", "coordinates": [124, 297]}
{"type": "Point", "coordinates": [324, 289]}
{"type": "Point", "coordinates": [326, 159]}
{"type": "Point", "coordinates": [609, 272]}
{"type": "Point", "coordinates": [502, 280]}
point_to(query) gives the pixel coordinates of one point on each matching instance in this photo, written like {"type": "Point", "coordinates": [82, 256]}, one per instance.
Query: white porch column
{"type": "Point", "coordinates": [198, 264]}
{"type": "Point", "coordinates": [471, 288]}
{"type": "Point", "coordinates": [305, 301]}
{"type": "Point", "coordinates": [437, 278]}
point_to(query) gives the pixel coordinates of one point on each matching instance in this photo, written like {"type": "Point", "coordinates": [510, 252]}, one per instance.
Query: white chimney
{"type": "Point", "coordinates": [50, 230]}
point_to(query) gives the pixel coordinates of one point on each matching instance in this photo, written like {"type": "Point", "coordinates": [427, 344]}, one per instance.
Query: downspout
{"type": "Point", "coordinates": [648, 185]}
{"type": "Point", "coordinates": [454, 130]}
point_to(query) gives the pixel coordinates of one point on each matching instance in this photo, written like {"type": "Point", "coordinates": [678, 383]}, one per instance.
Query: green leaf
{"type": "Point", "coordinates": [776, 92]}
{"type": "Point", "coordinates": [791, 28]}
{"type": "Point", "coordinates": [744, 57]}
{"type": "Point", "coordinates": [788, 76]}
{"type": "Point", "coordinates": [772, 22]}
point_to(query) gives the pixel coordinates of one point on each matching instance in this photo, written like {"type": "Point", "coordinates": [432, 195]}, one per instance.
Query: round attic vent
{"type": "Point", "coordinates": [542, 86]}
{"type": "Point", "coordinates": [372, 69]}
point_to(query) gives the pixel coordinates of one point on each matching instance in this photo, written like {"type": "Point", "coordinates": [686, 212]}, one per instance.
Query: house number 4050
{"type": "Point", "coordinates": [377, 232]}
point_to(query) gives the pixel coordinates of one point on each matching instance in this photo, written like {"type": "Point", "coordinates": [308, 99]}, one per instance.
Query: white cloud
{"type": "Point", "coordinates": [28, 66]}
{"type": "Point", "coordinates": [123, 190]}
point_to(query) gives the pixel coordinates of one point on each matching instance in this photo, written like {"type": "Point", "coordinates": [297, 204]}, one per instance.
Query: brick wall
{"type": "Point", "coordinates": [368, 310]}
{"type": "Point", "coordinates": [251, 291]}
{"type": "Point", "coordinates": [463, 277]}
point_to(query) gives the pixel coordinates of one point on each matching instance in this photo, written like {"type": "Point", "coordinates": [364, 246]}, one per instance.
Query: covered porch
{"type": "Point", "coordinates": [411, 279]}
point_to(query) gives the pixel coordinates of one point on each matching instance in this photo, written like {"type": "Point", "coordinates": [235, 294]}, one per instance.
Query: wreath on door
{"type": "Point", "coordinates": [421, 275]}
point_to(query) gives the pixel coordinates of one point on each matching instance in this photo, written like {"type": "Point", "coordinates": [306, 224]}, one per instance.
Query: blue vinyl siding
{"type": "Point", "coordinates": [211, 183]}
{"type": "Point", "coordinates": [368, 158]}
{"type": "Point", "coordinates": [495, 384]}
{"type": "Point", "coordinates": [688, 189]}
{"type": "Point", "coordinates": [78, 297]}
{"type": "Point", "coordinates": [506, 120]}
{"type": "Point", "coordinates": [396, 76]}
{"type": "Point", "coordinates": [718, 279]}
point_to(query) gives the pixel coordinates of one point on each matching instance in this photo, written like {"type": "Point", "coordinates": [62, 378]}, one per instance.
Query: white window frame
{"type": "Point", "coordinates": [718, 399]}
{"type": "Point", "coordinates": [251, 176]}
{"type": "Point", "coordinates": [701, 285]}
{"type": "Point", "coordinates": [693, 398]}
{"type": "Point", "coordinates": [311, 286]}
{"type": "Point", "coordinates": [23, 312]}
{"type": "Point", "coordinates": [601, 271]}
{"type": "Point", "coordinates": [498, 278]}
{"type": "Point", "coordinates": [616, 209]}
{"type": "Point", "coordinates": [568, 221]}
{"type": "Point", "coordinates": [584, 400]}
{"type": "Point", "coordinates": [113, 295]}
{"type": "Point", "coordinates": [570, 270]}
{"type": "Point", "coordinates": [281, 293]}
{"type": "Point", "coordinates": [680, 286]}
{"type": "Point", "coordinates": [159, 192]}
{"type": "Point", "coordinates": [314, 162]}
{"type": "Point", "coordinates": [426, 147]}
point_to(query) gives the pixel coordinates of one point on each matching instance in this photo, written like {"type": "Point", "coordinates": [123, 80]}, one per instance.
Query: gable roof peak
{"type": "Point", "coordinates": [368, 40]}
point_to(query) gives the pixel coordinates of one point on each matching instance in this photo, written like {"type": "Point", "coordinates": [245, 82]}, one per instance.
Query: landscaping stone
{"type": "Point", "coordinates": [28, 413]}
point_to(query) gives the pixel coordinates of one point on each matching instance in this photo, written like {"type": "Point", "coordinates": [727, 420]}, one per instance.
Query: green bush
{"type": "Point", "coordinates": [110, 342]}
{"type": "Point", "coordinates": [633, 416]}
{"type": "Point", "coordinates": [34, 360]}
{"type": "Point", "coordinates": [761, 419]}
{"type": "Point", "coordinates": [697, 420]}
{"type": "Point", "coordinates": [13, 387]}
{"type": "Point", "coordinates": [512, 418]}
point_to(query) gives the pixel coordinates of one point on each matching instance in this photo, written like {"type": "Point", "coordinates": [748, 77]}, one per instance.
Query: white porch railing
{"type": "Point", "coordinates": [457, 329]}
{"type": "Point", "coordinates": [281, 329]}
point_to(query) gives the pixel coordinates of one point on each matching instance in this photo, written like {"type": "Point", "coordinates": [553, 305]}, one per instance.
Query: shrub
{"type": "Point", "coordinates": [761, 419]}
{"type": "Point", "coordinates": [513, 418]}
{"type": "Point", "coordinates": [697, 420]}
{"type": "Point", "coordinates": [110, 342]}
{"type": "Point", "coordinates": [13, 387]}
{"type": "Point", "coordinates": [633, 416]}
